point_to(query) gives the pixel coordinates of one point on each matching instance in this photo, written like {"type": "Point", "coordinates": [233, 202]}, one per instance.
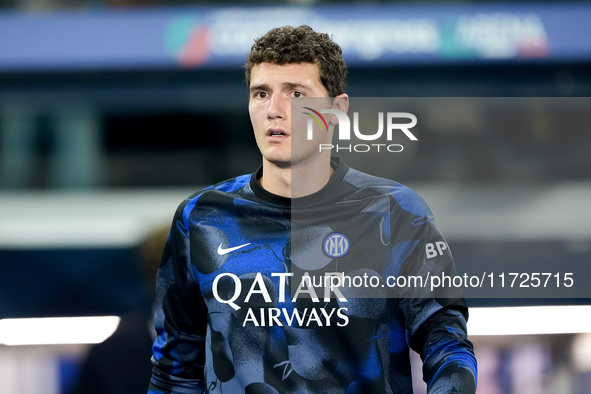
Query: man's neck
{"type": "Point", "coordinates": [297, 180]}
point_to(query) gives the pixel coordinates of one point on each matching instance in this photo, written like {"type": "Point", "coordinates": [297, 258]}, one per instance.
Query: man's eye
{"type": "Point", "coordinates": [297, 94]}
{"type": "Point", "coordinates": [260, 94]}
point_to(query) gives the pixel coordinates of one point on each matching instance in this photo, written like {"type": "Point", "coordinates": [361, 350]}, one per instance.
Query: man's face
{"type": "Point", "coordinates": [271, 89]}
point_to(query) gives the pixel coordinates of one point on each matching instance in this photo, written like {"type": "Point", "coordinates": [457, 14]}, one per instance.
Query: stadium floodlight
{"type": "Point", "coordinates": [57, 330]}
{"type": "Point", "coordinates": [581, 351]}
{"type": "Point", "coordinates": [530, 320]}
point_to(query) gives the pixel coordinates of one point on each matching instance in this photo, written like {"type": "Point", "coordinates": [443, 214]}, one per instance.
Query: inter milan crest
{"type": "Point", "coordinates": [335, 245]}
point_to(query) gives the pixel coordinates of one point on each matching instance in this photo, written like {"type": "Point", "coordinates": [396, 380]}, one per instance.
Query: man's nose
{"type": "Point", "coordinates": [278, 106]}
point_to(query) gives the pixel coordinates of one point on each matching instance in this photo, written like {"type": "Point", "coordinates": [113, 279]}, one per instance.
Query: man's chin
{"type": "Point", "coordinates": [280, 163]}
{"type": "Point", "coordinates": [292, 161]}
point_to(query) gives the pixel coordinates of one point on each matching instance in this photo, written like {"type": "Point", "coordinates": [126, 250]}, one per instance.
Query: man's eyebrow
{"type": "Point", "coordinates": [288, 85]}
{"type": "Point", "coordinates": [262, 86]}
{"type": "Point", "coordinates": [295, 85]}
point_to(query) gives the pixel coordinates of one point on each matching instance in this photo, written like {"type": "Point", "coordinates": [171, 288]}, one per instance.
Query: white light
{"type": "Point", "coordinates": [483, 321]}
{"type": "Point", "coordinates": [59, 330]}
{"type": "Point", "coordinates": [530, 320]}
{"type": "Point", "coordinates": [582, 352]}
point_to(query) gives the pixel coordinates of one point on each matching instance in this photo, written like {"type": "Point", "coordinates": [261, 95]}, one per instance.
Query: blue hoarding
{"type": "Point", "coordinates": [221, 37]}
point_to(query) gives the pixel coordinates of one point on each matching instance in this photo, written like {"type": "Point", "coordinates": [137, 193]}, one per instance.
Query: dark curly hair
{"type": "Point", "coordinates": [285, 45]}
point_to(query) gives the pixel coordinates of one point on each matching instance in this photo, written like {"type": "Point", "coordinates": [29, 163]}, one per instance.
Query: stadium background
{"type": "Point", "coordinates": [111, 112]}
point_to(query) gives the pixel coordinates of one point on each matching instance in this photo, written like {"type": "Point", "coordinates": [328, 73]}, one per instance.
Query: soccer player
{"type": "Point", "coordinates": [234, 311]}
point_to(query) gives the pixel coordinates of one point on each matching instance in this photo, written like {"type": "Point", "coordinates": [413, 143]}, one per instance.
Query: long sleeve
{"type": "Point", "coordinates": [435, 316]}
{"type": "Point", "coordinates": [449, 364]}
{"type": "Point", "coordinates": [181, 316]}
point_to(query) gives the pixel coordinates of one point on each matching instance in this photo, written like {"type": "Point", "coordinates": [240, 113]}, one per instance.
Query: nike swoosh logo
{"type": "Point", "coordinates": [222, 251]}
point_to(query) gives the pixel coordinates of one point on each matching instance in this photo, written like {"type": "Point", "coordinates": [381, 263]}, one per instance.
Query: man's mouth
{"type": "Point", "coordinates": [276, 133]}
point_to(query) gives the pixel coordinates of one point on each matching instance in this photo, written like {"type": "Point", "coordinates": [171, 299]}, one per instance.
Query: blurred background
{"type": "Point", "coordinates": [112, 112]}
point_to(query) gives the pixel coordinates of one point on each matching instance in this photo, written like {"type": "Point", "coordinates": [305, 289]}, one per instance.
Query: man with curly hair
{"type": "Point", "coordinates": [234, 311]}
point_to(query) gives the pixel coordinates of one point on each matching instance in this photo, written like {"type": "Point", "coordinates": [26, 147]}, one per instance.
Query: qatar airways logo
{"type": "Point", "coordinates": [323, 315]}
{"type": "Point", "coordinates": [392, 125]}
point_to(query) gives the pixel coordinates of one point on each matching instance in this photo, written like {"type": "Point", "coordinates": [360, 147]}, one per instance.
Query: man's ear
{"type": "Point", "coordinates": [340, 102]}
